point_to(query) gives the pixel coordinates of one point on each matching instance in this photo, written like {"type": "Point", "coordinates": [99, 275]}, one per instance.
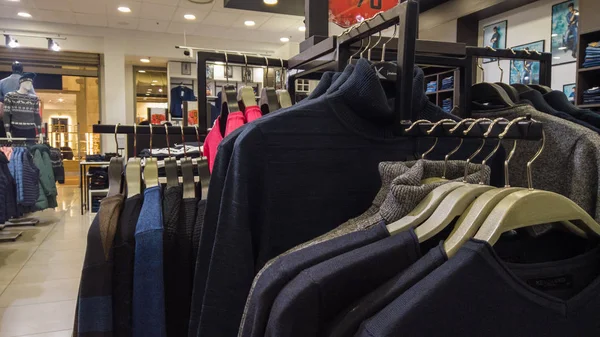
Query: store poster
{"type": "Point", "coordinates": [494, 36]}
{"type": "Point", "coordinates": [565, 24]}
{"type": "Point", "coordinates": [346, 13]}
{"type": "Point", "coordinates": [526, 72]}
{"type": "Point", "coordinates": [569, 90]}
{"type": "Point", "coordinates": [157, 115]}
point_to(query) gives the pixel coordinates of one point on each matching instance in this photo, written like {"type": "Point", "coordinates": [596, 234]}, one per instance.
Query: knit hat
{"type": "Point", "coordinates": [27, 77]}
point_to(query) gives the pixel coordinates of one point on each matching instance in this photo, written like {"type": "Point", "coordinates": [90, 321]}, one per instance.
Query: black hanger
{"type": "Point", "coordinates": [115, 171]}
{"type": "Point", "coordinates": [386, 71]}
{"type": "Point", "coordinates": [171, 165]}
{"type": "Point", "coordinates": [490, 93]}
{"type": "Point", "coordinates": [541, 88]}
{"type": "Point", "coordinates": [521, 88]}
{"type": "Point", "coordinates": [510, 91]}
{"type": "Point", "coordinates": [187, 171]}
{"type": "Point", "coordinates": [563, 104]}
{"type": "Point", "coordinates": [229, 101]}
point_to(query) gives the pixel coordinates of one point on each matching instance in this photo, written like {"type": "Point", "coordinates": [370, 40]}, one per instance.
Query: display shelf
{"type": "Point", "coordinates": [438, 74]}
{"type": "Point", "coordinates": [446, 91]}
{"type": "Point", "coordinates": [583, 70]}
{"type": "Point", "coordinates": [586, 77]}
{"type": "Point", "coordinates": [589, 106]}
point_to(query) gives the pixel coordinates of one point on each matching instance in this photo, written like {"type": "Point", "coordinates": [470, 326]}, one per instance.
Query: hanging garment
{"type": "Point", "coordinates": [211, 143]}
{"type": "Point", "coordinates": [22, 111]}
{"type": "Point", "coordinates": [401, 191]}
{"type": "Point", "coordinates": [252, 113]}
{"type": "Point", "coordinates": [9, 190]}
{"type": "Point", "coordinates": [27, 177]}
{"type": "Point", "coordinates": [57, 165]}
{"type": "Point", "coordinates": [476, 289]}
{"type": "Point", "coordinates": [123, 251]}
{"type": "Point", "coordinates": [148, 272]}
{"type": "Point", "coordinates": [7, 150]}
{"type": "Point", "coordinates": [47, 185]}
{"type": "Point", "coordinates": [199, 222]}
{"type": "Point", "coordinates": [575, 175]}
{"type": "Point", "coordinates": [94, 314]}
{"type": "Point", "coordinates": [234, 121]}
{"type": "Point", "coordinates": [559, 101]}
{"type": "Point", "coordinates": [349, 128]}
{"type": "Point", "coordinates": [179, 95]}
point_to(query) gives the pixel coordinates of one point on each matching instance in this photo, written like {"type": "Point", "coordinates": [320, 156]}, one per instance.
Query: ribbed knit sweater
{"type": "Point", "coordinates": [22, 110]}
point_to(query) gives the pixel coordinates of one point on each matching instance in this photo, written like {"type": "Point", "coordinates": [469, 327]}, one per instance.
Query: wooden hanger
{"type": "Point", "coordinates": [471, 220]}
{"type": "Point", "coordinates": [428, 205]}
{"type": "Point", "coordinates": [151, 167]}
{"type": "Point", "coordinates": [171, 165]}
{"type": "Point", "coordinates": [535, 207]}
{"type": "Point", "coordinates": [246, 95]}
{"type": "Point", "coordinates": [187, 171]}
{"type": "Point", "coordinates": [115, 171]}
{"type": "Point", "coordinates": [456, 202]}
{"type": "Point", "coordinates": [133, 172]}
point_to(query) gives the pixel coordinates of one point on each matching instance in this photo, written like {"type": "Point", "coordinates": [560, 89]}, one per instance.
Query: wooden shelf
{"type": "Point", "coordinates": [584, 70]}
{"type": "Point", "coordinates": [431, 93]}
{"type": "Point", "coordinates": [446, 90]}
{"type": "Point", "coordinates": [589, 106]}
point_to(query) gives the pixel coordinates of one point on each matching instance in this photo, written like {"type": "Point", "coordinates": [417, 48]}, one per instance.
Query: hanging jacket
{"type": "Point", "coordinates": [57, 165]}
{"type": "Point", "coordinates": [9, 189]}
{"type": "Point", "coordinates": [47, 185]}
{"type": "Point", "coordinates": [26, 175]}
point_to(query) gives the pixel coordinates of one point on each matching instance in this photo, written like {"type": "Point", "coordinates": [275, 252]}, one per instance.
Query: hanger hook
{"type": "Point", "coordinates": [361, 41]}
{"type": "Point", "coordinates": [422, 121]}
{"type": "Point", "coordinates": [168, 145]}
{"type": "Point", "coordinates": [466, 132]}
{"type": "Point", "coordinates": [267, 71]}
{"type": "Point", "coordinates": [151, 136]}
{"type": "Point", "coordinates": [507, 161]}
{"type": "Point", "coordinates": [134, 140]}
{"type": "Point", "coordinates": [198, 137]}
{"type": "Point", "coordinates": [501, 71]}
{"type": "Point", "coordinates": [226, 66]}
{"type": "Point", "coordinates": [362, 52]}
{"type": "Point", "coordinates": [386, 42]}
{"type": "Point", "coordinates": [116, 140]}
{"type": "Point", "coordinates": [375, 45]}
{"type": "Point", "coordinates": [246, 67]}
{"type": "Point", "coordinates": [447, 157]}
{"type": "Point", "coordinates": [183, 140]}
{"type": "Point", "coordinates": [281, 77]}
{"type": "Point", "coordinates": [527, 51]}
{"type": "Point", "coordinates": [480, 66]}
{"type": "Point", "coordinates": [530, 162]}
{"type": "Point", "coordinates": [513, 51]}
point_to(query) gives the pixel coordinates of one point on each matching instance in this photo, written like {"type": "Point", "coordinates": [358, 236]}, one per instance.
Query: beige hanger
{"type": "Point", "coordinates": [115, 170]}
{"type": "Point", "coordinates": [471, 220]}
{"type": "Point", "coordinates": [246, 92]}
{"type": "Point", "coordinates": [151, 167]}
{"type": "Point", "coordinates": [433, 180]}
{"type": "Point", "coordinates": [428, 205]}
{"type": "Point", "coordinates": [133, 172]}
{"type": "Point", "coordinates": [535, 207]}
{"type": "Point", "coordinates": [455, 203]}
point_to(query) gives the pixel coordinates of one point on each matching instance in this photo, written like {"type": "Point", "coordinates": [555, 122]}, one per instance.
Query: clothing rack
{"type": "Point", "coordinates": [238, 58]}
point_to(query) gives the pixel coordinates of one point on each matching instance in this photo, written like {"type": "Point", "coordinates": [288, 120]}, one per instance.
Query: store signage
{"type": "Point", "coordinates": [346, 13]}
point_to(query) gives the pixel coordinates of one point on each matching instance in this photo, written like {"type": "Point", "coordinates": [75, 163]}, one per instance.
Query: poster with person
{"type": "Point", "coordinates": [494, 36]}
{"type": "Point", "coordinates": [565, 25]}
{"type": "Point", "coordinates": [525, 71]}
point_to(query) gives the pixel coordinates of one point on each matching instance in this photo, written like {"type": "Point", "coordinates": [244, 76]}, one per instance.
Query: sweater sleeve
{"type": "Point", "coordinates": [37, 119]}
{"type": "Point", "coordinates": [232, 264]}
{"type": "Point", "coordinates": [7, 112]}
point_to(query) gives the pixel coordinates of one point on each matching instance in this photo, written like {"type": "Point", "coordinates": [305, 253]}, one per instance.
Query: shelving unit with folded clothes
{"type": "Point", "coordinates": [440, 87]}
{"type": "Point", "coordinates": [588, 71]}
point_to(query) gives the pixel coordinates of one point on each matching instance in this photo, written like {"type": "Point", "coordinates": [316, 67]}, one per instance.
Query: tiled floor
{"type": "Point", "coordinates": [39, 273]}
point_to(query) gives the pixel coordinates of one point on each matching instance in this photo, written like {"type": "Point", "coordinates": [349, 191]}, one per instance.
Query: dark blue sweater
{"type": "Point", "coordinates": [148, 283]}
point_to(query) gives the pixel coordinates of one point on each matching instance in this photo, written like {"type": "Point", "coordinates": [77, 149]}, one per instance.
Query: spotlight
{"type": "Point", "coordinates": [52, 45]}
{"type": "Point", "coordinates": [10, 41]}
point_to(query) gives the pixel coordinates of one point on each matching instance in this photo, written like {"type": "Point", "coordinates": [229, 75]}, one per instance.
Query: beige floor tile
{"type": "Point", "coordinates": [15, 256]}
{"type": "Point", "coordinates": [37, 293]}
{"type": "Point", "coordinates": [36, 319]}
{"type": "Point", "coordinates": [2, 287]}
{"type": "Point", "coordinates": [59, 245]}
{"type": "Point", "coordinates": [55, 271]}
{"type": "Point", "coordinates": [8, 273]}
{"type": "Point", "coordinates": [63, 333]}
{"type": "Point", "coordinates": [44, 257]}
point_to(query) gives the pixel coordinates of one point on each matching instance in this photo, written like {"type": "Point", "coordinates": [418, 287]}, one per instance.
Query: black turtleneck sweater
{"type": "Point", "coordinates": [292, 176]}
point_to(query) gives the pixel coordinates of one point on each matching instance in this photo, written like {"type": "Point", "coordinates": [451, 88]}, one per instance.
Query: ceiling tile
{"type": "Point", "coordinates": [88, 6]}
{"type": "Point", "coordinates": [199, 7]}
{"type": "Point", "coordinates": [180, 12]}
{"type": "Point", "coordinates": [221, 19]}
{"type": "Point", "coordinates": [135, 6]}
{"type": "Point", "coordinates": [258, 18]}
{"type": "Point", "coordinates": [277, 24]}
{"type": "Point", "coordinates": [55, 16]}
{"type": "Point", "coordinates": [153, 25]}
{"type": "Point", "coordinates": [91, 20]}
{"type": "Point", "coordinates": [123, 22]}
{"type": "Point", "coordinates": [53, 5]}
{"type": "Point", "coordinates": [208, 30]}
{"type": "Point", "coordinates": [9, 13]}
{"type": "Point", "coordinates": [180, 28]}
{"type": "Point", "coordinates": [158, 12]}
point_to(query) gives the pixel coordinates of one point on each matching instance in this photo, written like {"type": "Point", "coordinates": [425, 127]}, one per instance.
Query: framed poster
{"type": "Point", "coordinates": [229, 72]}
{"type": "Point", "coordinates": [569, 90]}
{"type": "Point", "coordinates": [210, 72]}
{"type": "Point", "coordinates": [494, 36]}
{"type": "Point", "coordinates": [186, 68]}
{"type": "Point", "coordinates": [247, 75]}
{"type": "Point", "coordinates": [565, 24]}
{"type": "Point", "coordinates": [526, 72]}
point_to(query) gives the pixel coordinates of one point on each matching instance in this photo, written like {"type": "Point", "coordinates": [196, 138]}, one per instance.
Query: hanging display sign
{"type": "Point", "coordinates": [346, 13]}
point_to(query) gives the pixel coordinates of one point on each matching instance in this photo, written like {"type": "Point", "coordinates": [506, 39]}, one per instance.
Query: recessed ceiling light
{"type": "Point", "coordinates": [124, 9]}
{"type": "Point", "coordinates": [160, 90]}
{"type": "Point", "coordinates": [154, 81]}
{"type": "Point", "coordinates": [249, 23]}
{"type": "Point", "coordinates": [556, 57]}
{"type": "Point", "coordinates": [145, 60]}
{"type": "Point", "coordinates": [152, 84]}
{"type": "Point", "coordinates": [190, 17]}
{"type": "Point", "coordinates": [285, 39]}
{"type": "Point", "coordinates": [147, 94]}
{"type": "Point", "coordinates": [270, 2]}
{"type": "Point", "coordinates": [219, 62]}
{"type": "Point", "coordinates": [141, 71]}
{"type": "Point", "coordinates": [14, 0]}
{"type": "Point", "coordinates": [24, 14]}
{"type": "Point", "coordinates": [302, 28]}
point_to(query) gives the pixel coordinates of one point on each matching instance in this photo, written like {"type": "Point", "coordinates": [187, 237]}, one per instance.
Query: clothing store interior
{"type": "Point", "coordinates": [299, 168]}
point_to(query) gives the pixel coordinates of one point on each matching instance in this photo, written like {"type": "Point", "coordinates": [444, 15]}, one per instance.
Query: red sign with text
{"type": "Point", "coordinates": [346, 13]}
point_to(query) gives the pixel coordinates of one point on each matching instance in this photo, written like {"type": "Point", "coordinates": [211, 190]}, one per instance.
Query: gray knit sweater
{"type": "Point", "coordinates": [22, 110]}
{"type": "Point", "coordinates": [569, 164]}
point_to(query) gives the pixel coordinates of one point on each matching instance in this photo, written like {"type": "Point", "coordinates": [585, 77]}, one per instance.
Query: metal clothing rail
{"type": "Point", "coordinates": [201, 61]}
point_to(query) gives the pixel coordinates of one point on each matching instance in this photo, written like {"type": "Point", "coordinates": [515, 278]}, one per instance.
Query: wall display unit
{"type": "Point", "coordinates": [526, 72]}
{"type": "Point", "coordinates": [570, 90]}
{"type": "Point", "coordinates": [565, 23]}
{"type": "Point", "coordinates": [494, 36]}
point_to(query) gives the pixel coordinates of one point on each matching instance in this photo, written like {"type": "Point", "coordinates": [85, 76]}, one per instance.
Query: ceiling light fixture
{"type": "Point", "coordinates": [302, 28]}
{"type": "Point", "coordinates": [144, 60]}
{"type": "Point", "coordinates": [10, 41]}
{"type": "Point", "coordinates": [154, 81]}
{"type": "Point", "coordinates": [52, 45]}
{"type": "Point", "coordinates": [142, 71]}
{"type": "Point", "coordinates": [124, 9]}
{"type": "Point", "coordinates": [14, 0]}
{"type": "Point", "coordinates": [61, 100]}
{"type": "Point", "coordinates": [24, 14]}
{"type": "Point", "coordinates": [160, 90]}
{"type": "Point", "coordinates": [285, 39]}
{"type": "Point", "coordinates": [190, 17]}
{"type": "Point", "coordinates": [249, 23]}
{"type": "Point", "coordinates": [270, 2]}
{"type": "Point", "coordinates": [219, 62]}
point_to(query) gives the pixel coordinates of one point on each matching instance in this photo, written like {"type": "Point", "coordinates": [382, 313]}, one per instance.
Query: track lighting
{"type": "Point", "coordinates": [10, 41]}
{"type": "Point", "coordinates": [53, 45]}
